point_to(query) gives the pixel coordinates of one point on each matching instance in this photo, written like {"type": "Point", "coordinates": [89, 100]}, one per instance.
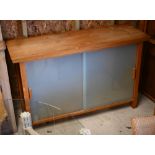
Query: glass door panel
{"type": "Point", "coordinates": [56, 86]}
{"type": "Point", "coordinates": [108, 75]}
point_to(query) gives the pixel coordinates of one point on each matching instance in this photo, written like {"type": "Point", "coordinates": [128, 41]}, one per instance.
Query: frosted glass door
{"type": "Point", "coordinates": [108, 76]}
{"type": "Point", "coordinates": [57, 82]}
{"type": "Point", "coordinates": [81, 81]}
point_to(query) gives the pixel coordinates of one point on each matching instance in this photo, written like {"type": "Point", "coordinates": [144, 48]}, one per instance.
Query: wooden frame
{"type": "Point", "coordinates": [139, 38]}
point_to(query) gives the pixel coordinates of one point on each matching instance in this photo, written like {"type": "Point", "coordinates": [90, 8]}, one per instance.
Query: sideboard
{"type": "Point", "coordinates": [78, 72]}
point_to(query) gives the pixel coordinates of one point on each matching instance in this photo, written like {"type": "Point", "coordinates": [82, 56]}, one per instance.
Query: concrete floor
{"type": "Point", "coordinates": [110, 122]}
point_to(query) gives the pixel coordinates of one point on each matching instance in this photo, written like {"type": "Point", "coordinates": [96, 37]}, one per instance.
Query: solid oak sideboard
{"type": "Point", "coordinates": [77, 72]}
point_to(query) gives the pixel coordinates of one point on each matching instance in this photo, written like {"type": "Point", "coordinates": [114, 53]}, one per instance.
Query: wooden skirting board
{"type": "Point", "coordinates": [48, 46]}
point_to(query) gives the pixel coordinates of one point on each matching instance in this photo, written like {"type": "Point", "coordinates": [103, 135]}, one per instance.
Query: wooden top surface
{"type": "Point", "coordinates": [2, 46]}
{"type": "Point", "coordinates": [55, 45]}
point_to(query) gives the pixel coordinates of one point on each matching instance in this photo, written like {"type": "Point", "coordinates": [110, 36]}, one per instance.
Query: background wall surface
{"type": "Point", "coordinates": [13, 28]}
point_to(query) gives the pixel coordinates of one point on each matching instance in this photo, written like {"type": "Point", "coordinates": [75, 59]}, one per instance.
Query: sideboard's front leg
{"type": "Point", "coordinates": [137, 76]}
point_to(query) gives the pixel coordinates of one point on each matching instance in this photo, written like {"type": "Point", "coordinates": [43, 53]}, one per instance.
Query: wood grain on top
{"type": "Point", "coordinates": [47, 46]}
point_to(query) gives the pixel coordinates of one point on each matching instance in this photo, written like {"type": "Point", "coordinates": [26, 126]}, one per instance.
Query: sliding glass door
{"type": "Point", "coordinates": [108, 75]}
{"type": "Point", "coordinates": [56, 86]}
{"type": "Point", "coordinates": [81, 81]}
